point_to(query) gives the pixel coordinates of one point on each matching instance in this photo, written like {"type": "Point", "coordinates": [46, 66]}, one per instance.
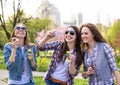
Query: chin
{"type": "Point", "coordinates": [85, 42]}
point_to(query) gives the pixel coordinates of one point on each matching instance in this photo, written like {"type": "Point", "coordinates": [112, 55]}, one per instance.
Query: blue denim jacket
{"type": "Point", "coordinates": [16, 68]}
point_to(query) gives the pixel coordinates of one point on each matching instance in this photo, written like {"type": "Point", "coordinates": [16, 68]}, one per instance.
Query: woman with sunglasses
{"type": "Point", "coordinates": [66, 59]}
{"type": "Point", "coordinates": [17, 59]}
{"type": "Point", "coordinates": [99, 62]}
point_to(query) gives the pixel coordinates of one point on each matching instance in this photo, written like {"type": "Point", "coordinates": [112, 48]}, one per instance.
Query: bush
{"type": "Point", "coordinates": [42, 64]}
{"type": "Point", "coordinates": [117, 58]}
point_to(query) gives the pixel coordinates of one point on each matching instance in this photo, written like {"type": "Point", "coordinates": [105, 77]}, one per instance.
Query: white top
{"type": "Point", "coordinates": [61, 70]}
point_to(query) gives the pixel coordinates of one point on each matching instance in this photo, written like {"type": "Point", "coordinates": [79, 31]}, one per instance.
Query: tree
{"type": "Point", "coordinates": [17, 17]}
{"type": "Point", "coordinates": [3, 39]}
{"type": "Point", "coordinates": [113, 35]}
{"type": "Point", "coordinates": [36, 25]}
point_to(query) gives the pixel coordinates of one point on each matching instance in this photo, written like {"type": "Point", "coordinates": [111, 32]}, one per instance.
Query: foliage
{"type": "Point", "coordinates": [113, 36]}
{"type": "Point", "coordinates": [117, 58]}
{"type": "Point", "coordinates": [103, 29]}
{"type": "Point", "coordinates": [3, 39]}
{"type": "Point", "coordinates": [35, 25]}
{"type": "Point", "coordinates": [42, 64]}
{"type": "Point", "coordinates": [2, 64]}
{"type": "Point", "coordinates": [17, 13]}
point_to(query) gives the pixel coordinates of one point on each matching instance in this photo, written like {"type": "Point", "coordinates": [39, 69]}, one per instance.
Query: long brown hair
{"type": "Point", "coordinates": [94, 30]}
{"type": "Point", "coordinates": [26, 39]}
{"type": "Point", "coordinates": [79, 54]}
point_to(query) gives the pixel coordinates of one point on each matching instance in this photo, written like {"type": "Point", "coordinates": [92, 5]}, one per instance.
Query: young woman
{"type": "Point", "coordinates": [61, 71]}
{"type": "Point", "coordinates": [99, 62]}
{"type": "Point", "coordinates": [19, 63]}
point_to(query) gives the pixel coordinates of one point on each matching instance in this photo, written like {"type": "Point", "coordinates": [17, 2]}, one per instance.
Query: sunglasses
{"type": "Point", "coordinates": [18, 28]}
{"type": "Point", "coordinates": [70, 31]}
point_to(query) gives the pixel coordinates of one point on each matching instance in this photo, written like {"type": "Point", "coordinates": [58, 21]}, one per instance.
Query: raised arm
{"type": "Point", "coordinates": [48, 36]}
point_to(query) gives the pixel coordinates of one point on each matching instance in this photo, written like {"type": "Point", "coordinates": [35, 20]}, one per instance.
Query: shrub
{"type": "Point", "coordinates": [42, 64]}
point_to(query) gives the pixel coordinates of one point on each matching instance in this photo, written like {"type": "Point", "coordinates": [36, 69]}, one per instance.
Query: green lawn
{"type": "Point", "coordinates": [39, 81]}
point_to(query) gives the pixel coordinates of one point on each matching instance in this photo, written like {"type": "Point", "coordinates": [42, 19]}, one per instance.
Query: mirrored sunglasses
{"type": "Point", "coordinates": [70, 32]}
{"type": "Point", "coordinates": [18, 28]}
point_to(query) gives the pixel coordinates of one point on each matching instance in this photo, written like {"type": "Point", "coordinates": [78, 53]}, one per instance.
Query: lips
{"type": "Point", "coordinates": [68, 37]}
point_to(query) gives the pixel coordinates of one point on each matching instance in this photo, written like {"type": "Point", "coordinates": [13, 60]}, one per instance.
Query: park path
{"type": "Point", "coordinates": [4, 74]}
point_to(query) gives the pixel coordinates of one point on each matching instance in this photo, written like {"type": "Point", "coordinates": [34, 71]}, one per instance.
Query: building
{"type": "Point", "coordinates": [49, 10]}
{"type": "Point", "coordinates": [76, 19]}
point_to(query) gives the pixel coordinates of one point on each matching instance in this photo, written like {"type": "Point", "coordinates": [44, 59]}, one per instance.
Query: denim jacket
{"type": "Point", "coordinates": [16, 68]}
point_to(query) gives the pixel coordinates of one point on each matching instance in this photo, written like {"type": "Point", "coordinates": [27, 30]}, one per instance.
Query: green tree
{"type": "Point", "coordinates": [113, 35]}
{"type": "Point", "coordinates": [35, 25]}
{"type": "Point", "coordinates": [18, 16]}
{"type": "Point", "coordinates": [3, 39]}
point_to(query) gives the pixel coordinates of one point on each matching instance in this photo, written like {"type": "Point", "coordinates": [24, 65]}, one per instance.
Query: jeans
{"type": "Point", "coordinates": [49, 82]}
{"type": "Point", "coordinates": [29, 83]}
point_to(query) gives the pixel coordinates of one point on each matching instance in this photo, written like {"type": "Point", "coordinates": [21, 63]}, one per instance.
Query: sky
{"type": "Point", "coordinates": [107, 10]}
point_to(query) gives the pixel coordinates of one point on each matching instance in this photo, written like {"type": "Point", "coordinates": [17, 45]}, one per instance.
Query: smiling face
{"type": "Point", "coordinates": [86, 35]}
{"type": "Point", "coordinates": [70, 35]}
{"type": "Point", "coordinates": [20, 31]}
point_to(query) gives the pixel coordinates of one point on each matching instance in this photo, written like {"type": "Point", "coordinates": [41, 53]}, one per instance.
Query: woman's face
{"type": "Point", "coordinates": [86, 35]}
{"type": "Point", "coordinates": [20, 31]}
{"type": "Point", "coordinates": [70, 35]}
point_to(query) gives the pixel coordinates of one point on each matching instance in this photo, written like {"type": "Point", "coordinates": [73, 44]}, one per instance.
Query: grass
{"type": "Point", "coordinates": [2, 64]}
{"type": "Point", "coordinates": [39, 81]}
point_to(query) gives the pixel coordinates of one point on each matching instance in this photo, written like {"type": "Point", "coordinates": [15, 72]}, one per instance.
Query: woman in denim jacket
{"type": "Point", "coordinates": [99, 62]}
{"type": "Point", "coordinates": [66, 59]}
{"type": "Point", "coordinates": [17, 59]}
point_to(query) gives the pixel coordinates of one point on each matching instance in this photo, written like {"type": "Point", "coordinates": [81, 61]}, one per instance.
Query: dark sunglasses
{"type": "Point", "coordinates": [18, 28]}
{"type": "Point", "coordinates": [70, 31]}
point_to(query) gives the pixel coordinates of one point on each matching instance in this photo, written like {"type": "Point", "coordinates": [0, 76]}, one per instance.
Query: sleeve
{"type": "Point", "coordinates": [77, 71]}
{"type": "Point", "coordinates": [7, 54]}
{"type": "Point", "coordinates": [49, 46]}
{"type": "Point", "coordinates": [33, 48]}
{"type": "Point", "coordinates": [110, 57]}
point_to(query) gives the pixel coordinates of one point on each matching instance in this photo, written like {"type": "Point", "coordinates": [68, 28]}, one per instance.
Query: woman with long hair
{"type": "Point", "coordinates": [66, 59]}
{"type": "Point", "coordinates": [99, 62]}
{"type": "Point", "coordinates": [18, 60]}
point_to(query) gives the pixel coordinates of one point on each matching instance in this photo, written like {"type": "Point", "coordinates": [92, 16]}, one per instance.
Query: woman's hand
{"type": "Point", "coordinates": [72, 68]}
{"type": "Point", "coordinates": [90, 70]}
{"type": "Point", "coordinates": [50, 34]}
{"type": "Point", "coordinates": [15, 41]}
{"type": "Point", "coordinates": [71, 58]}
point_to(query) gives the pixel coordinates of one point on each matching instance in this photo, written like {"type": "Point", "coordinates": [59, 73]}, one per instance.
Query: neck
{"type": "Point", "coordinates": [71, 46]}
{"type": "Point", "coordinates": [91, 45]}
{"type": "Point", "coordinates": [21, 42]}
